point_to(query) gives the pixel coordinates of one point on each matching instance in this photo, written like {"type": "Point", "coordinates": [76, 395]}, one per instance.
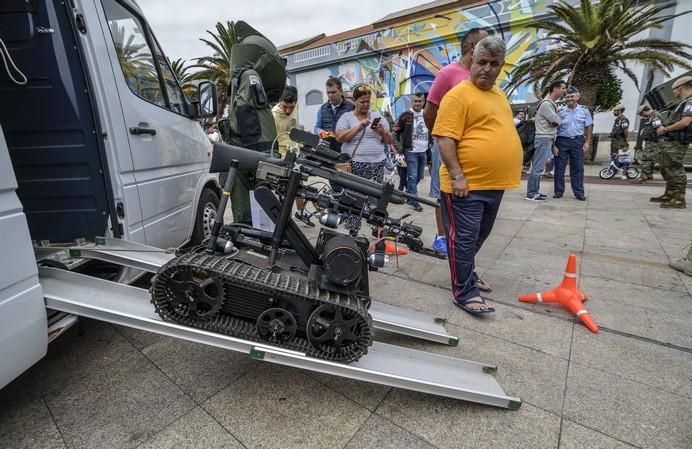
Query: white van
{"type": "Point", "coordinates": [102, 142]}
{"type": "Point", "coordinates": [101, 137]}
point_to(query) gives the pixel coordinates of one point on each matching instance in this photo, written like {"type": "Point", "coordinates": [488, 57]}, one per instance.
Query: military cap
{"type": "Point", "coordinates": [681, 81]}
{"type": "Point", "coordinates": [618, 107]}
{"type": "Point", "coordinates": [572, 90]}
{"type": "Point", "coordinates": [642, 108]}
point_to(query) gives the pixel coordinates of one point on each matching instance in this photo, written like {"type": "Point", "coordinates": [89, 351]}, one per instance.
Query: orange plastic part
{"type": "Point", "coordinates": [567, 295]}
{"type": "Point", "coordinates": [389, 247]}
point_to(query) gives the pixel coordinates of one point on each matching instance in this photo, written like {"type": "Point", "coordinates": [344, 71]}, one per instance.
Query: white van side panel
{"type": "Point", "coordinates": [168, 167]}
{"type": "Point", "coordinates": [95, 45]}
{"type": "Point", "coordinates": [23, 328]}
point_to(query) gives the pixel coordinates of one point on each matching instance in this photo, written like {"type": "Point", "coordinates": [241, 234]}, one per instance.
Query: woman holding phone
{"type": "Point", "coordinates": [363, 134]}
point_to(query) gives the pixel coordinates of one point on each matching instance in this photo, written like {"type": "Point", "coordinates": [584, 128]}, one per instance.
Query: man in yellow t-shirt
{"type": "Point", "coordinates": [482, 157]}
{"type": "Point", "coordinates": [285, 115]}
{"type": "Point", "coordinates": [286, 118]}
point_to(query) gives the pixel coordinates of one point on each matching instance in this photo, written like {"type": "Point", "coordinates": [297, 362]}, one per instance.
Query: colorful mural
{"type": "Point", "coordinates": [402, 60]}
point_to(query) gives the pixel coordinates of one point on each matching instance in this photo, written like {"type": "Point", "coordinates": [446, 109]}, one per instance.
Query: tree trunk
{"type": "Point", "coordinates": [588, 78]}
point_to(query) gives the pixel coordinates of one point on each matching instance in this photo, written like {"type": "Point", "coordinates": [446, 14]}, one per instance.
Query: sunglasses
{"type": "Point", "coordinates": [361, 89]}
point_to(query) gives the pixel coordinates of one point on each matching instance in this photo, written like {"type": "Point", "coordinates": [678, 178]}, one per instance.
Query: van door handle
{"type": "Point", "coordinates": [138, 130]}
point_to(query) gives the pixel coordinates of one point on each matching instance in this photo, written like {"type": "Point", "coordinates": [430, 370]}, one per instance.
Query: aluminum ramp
{"type": "Point", "coordinates": [385, 317]}
{"type": "Point", "coordinates": [384, 364]}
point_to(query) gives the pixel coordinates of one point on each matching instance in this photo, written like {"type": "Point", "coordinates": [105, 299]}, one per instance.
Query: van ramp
{"type": "Point", "coordinates": [384, 364]}
{"type": "Point", "coordinates": [384, 316]}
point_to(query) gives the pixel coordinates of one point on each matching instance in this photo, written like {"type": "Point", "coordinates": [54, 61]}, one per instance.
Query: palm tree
{"type": "Point", "coordinates": [181, 72]}
{"type": "Point", "coordinates": [594, 40]}
{"type": "Point", "coordinates": [217, 68]}
{"type": "Point", "coordinates": [137, 66]}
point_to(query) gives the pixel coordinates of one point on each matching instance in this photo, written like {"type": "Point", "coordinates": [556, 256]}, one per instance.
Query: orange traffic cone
{"type": "Point", "coordinates": [389, 247]}
{"type": "Point", "coordinates": [567, 295]}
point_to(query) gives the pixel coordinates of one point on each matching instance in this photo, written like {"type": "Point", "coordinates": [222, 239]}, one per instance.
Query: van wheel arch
{"type": "Point", "coordinates": [205, 214]}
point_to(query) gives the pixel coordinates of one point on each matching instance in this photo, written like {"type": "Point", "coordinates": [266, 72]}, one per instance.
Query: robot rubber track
{"type": "Point", "coordinates": [194, 272]}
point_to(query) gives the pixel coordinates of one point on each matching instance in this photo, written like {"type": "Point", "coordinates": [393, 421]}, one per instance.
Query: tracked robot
{"type": "Point", "coordinates": [277, 287]}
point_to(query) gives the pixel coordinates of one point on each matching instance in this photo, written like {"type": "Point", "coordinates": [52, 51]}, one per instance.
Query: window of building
{"type": "Point", "coordinates": [313, 97]}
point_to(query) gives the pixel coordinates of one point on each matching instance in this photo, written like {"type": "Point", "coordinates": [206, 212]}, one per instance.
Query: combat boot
{"type": "Point", "coordinates": [663, 198]}
{"type": "Point", "coordinates": [684, 264]}
{"type": "Point", "coordinates": [677, 201]}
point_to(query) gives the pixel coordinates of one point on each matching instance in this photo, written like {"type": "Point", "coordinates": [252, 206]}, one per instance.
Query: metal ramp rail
{"type": "Point", "coordinates": [385, 317]}
{"type": "Point", "coordinates": [384, 364]}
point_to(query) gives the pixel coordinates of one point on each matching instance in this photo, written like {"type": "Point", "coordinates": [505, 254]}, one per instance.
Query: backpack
{"type": "Point", "coordinates": [527, 130]}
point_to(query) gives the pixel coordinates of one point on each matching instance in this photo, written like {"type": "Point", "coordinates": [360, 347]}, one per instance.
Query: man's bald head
{"type": "Point", "coordinates": [468, 42]}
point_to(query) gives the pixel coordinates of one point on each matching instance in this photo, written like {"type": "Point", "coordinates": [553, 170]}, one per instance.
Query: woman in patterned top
{"type": "Point", "coordinates": [363, 134]}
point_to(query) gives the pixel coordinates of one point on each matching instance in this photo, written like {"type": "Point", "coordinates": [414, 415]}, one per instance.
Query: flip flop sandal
{"type": "Point", "coordinates": [477, 300]}
{"type": "Point", "coordinates": [482, 286]}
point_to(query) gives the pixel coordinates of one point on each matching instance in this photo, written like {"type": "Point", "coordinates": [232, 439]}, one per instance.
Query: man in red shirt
{"type": "Point", "coordinates": [450, 75]}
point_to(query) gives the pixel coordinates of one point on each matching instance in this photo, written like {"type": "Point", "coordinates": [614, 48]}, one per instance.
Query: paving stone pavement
{"type": "Point", "coordinates": [104, 386]}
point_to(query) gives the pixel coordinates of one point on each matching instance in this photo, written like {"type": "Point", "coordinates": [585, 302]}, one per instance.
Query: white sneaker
{"type": "Point", "coordinates": [539, 197]}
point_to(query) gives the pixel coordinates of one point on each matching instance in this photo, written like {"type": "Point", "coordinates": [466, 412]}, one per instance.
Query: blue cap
{"type": "Point", "coordinates": [572, 90]}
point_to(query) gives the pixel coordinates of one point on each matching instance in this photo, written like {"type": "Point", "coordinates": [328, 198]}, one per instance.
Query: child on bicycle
{"type": "Point", "coordinates": [623, 162]}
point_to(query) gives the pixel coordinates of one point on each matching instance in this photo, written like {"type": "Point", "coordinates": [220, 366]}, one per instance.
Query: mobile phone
{"type": "Point", "coordinates": [375, 122]}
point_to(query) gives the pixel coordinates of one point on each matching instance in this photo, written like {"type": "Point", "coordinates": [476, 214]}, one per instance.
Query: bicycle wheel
{"type": "Point", "coordinates": [632, 172]}
{"type": "Point", "coordinates": [607, 173]}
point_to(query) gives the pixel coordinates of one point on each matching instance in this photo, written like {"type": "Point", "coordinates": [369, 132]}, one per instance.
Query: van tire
{"type": "Point", "coordinates": [206, 214]}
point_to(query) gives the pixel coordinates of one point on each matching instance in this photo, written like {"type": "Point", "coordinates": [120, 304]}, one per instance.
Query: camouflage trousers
{"type": "Point", "coordinates": [671, 157]}
{"type": "Point", "coordinates": [616, 143]}
{"type": "Point", "coordinates": [647, 158]}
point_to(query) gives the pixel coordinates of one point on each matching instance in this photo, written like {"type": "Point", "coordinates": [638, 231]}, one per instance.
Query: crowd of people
{"type": "Point", "coordinates": [464, 129]}
{"type": "Point", "coordinates": [565, 134]}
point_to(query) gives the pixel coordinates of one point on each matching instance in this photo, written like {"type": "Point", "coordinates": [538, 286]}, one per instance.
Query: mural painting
{"type": "Point", "coordinates": [403, 60]}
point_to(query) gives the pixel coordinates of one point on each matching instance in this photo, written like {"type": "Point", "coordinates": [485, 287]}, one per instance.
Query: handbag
{"type": "Point", "coordinates": [345, 166]}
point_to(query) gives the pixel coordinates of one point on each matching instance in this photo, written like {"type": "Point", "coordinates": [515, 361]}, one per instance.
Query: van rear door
{"type": "Point", "coordinates": [50, 127]}
{"type": "Point", "coordinates": [169, 150]}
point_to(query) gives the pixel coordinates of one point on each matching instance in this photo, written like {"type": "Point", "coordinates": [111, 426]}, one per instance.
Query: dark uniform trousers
{"type": "Point", "coordinates": [572, 150]}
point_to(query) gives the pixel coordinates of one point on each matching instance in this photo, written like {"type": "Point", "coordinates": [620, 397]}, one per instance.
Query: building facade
{"type": "Point", "coordinates": [401, 53]}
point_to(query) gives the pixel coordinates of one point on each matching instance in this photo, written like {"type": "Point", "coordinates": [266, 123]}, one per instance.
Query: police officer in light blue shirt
{"type": "Point", "coordinates": [573, 141]}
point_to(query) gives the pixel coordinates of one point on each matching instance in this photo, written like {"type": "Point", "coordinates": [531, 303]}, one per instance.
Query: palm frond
{"type": "Point", "coordinates": [217, 67]}
{"type": "Point", "coordinates": [622, 65]}
{"type": "Point", "coordinates": [593, 39]}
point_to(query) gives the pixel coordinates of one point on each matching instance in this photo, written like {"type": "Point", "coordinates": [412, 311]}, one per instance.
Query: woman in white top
{"type": "Point", "coordinates": [363, 134]}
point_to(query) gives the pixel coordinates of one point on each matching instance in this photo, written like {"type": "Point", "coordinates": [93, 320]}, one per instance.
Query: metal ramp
{"type": "Point", "coordinates": [384, 364]}
{"type": "Point", "coordinates": [385, 317]}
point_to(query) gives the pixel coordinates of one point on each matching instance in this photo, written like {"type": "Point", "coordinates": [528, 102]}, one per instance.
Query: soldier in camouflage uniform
{"type": "Point", "coordinates": [620, 132]}
{"type": "Point", "coordinates": [648, 155]}
{"type": "Point", "coordinates": [676, 134]}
